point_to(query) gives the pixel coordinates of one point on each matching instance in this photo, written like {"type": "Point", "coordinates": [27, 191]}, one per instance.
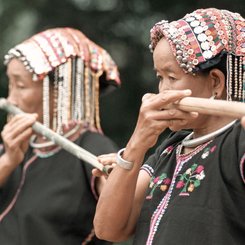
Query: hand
{"type": "Point", "coordinates": [106, 159]}
{"type": "Point", "coordinates": [16, 134]}
{"type": "Point", "coordinates": [243, 121]}
{"type": "Point", "coordinates": [156, 115]}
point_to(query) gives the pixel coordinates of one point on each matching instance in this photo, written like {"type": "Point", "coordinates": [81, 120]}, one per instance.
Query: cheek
{"type": "Point", "coordinates": [31, 102]}
{"type": "Point", "coordinates": [161, 87]}
{"type": "Point", "coordinates": [166, 85]}
{"type": "Point", "coordinates": [200, 91]}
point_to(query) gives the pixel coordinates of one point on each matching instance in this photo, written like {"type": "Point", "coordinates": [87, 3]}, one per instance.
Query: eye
{"type": "Point", "coordinates": [159, 78]}
{"type": "Point", "coordinates": [20, 84]}
{"type": "Point", "coordinates": [171, 78]}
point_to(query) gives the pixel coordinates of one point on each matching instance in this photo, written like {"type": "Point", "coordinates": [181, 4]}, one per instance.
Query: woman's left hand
{"type": "Point", "coordinates": [105, 159]}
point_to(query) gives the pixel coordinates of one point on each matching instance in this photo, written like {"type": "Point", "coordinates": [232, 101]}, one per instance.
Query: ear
{"type": "Point", "coordinates": [218, 83]}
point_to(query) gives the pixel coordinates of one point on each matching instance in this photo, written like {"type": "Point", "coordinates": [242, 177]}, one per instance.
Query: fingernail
{"type": "Point", "coordinates": [187, 92]}
{"type": "Point", "coordinates": [194, 114]}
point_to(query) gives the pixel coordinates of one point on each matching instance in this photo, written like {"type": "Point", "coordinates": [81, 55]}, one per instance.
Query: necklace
{"type": "Point", "coordinates": [51, 143]}
{"type": "Point", "coordinates": [189, 142]}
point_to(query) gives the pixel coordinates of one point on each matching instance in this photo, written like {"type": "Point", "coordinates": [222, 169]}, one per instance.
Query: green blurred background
{"type": "Point", "coordinates": [120, 26]}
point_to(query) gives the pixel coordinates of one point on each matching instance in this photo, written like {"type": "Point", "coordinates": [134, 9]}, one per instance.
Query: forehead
{"type": "Point", "coordinates": [17, 72]}
{"type": "Point", "coordinates": [163, 57]}
{"type": "Point", "coordinates": [16, 67]}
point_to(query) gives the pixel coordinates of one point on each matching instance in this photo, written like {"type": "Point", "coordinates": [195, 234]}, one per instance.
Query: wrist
{"type": "Point", "coordinates": [122, 162]}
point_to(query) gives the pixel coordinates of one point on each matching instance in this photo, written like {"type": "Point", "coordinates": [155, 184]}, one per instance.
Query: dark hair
{"type": "Point", "coordinates": [218, 62]}
{"type": "Point", "coordinates": [106, 86]}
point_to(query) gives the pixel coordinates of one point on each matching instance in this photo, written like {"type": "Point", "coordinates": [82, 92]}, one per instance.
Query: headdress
{"type": "Point", "coordinates": [201, 38]}
{"type": "Point", "coordinates": [76, 66]}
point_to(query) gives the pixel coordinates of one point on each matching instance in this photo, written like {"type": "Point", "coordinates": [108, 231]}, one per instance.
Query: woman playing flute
{"type": "Point", "coordinates": [192, 189]}
{"type": "Point", "coordinates": [47, 195]}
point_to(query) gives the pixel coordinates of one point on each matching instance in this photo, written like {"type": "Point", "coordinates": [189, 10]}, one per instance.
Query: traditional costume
{"type": "Point", "coordinates": [50, 198]}
{"type": "Point", "coordinates": [198, 197]}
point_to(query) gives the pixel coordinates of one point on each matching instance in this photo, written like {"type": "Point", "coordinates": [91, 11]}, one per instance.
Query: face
{"type": "Point", "coordinates": [172, 77]}
{"type": "Point", "coordinates": [23, 91]}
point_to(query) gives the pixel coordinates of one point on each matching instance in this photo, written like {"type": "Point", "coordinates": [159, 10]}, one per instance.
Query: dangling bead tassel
{"type": "Point", "coordinates": [243, 79]}
{"type": "Point", "coordinates": [236, 91]}
{"type": "Point", "coordinates": [229, 77]}
{"type": "Point", "coordinates": [240, 81]}
{"type": "Point", "coordinates": [79, 91]}
{"type": "Point", "coordinates": [73, 88]}
{"type": "Point", "coordinates": [55, 99]}
{"type": "Point", "coordinates": [86, 93]}
{"type": "Point", "coordinates": [69, 97]}
{"type": "Point", "coordinates": [82, 91]}
{"type": "Point", "coordinates": [96, 102]}
{"type": "Point", "coordinates": [92, 99]}
{"type": "Point", "coordinates": [65, 95]}
{"type": "Point", "coordinates": [60, 101]}
{"type": "Point", "coordinates": [46, 115]}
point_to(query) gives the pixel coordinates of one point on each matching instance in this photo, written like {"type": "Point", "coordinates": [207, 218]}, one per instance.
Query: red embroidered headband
{"type": "Point", "coordinates": [48, 49]}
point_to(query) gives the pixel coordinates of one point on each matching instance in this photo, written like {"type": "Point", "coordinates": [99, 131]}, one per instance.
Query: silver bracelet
{"type": "Point", "coordinates": [123, 163]}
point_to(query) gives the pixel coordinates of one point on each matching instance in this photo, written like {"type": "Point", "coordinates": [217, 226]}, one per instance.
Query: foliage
{"type": "Point", "coordinates": [121, 27]}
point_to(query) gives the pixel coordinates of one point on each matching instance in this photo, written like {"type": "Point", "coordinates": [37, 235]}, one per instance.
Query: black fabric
{"type": "Point", "coordinates": [207, 194]}
{"type": "Point", "coordinates": [56, 204]}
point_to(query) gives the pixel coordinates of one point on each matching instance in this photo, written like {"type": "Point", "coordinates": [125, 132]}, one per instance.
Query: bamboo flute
{"type": "Point", "coordinates": [211, 107]}
{"type": "Point", "coordinates": [66, 144]}
{"type": "Point", "coordinates": [190, 104]}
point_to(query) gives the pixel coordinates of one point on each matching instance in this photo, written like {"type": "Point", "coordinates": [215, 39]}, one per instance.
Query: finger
{"type": "Point", "coordinates": [165, 98]}
{"type": "Point", "coordinates": [23, 116]}
{"type": "Point", "coordinates": [97, 173]}
{"type": "Point", "coordinates": [19, 140]}
{"type": "Point", "coordinates": [25, 144]}
{"type": "Point", "coordinates": [107, 159]}
{"type": "Point", "coordinates": [108, 155]}
{"type": "Point", "coordinates": [172, 114]}
{"type": "Point", "coordinates": [17, 126]}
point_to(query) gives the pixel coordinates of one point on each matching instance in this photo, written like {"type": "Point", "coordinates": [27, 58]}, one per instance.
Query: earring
{"type": "Point", "coordinates": [213, 96]}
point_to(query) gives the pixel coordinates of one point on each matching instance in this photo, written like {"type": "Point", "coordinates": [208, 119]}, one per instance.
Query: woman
{"type": "Point", "coordinates": [191, 191]}
{"type": "Point", "coordinates": [47, 195]}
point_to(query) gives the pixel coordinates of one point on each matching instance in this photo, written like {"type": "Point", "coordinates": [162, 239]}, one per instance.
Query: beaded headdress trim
{"type": "Point", "coordinates": [76, 65]}
{"type": "Point", "coordinates": [202, 35]}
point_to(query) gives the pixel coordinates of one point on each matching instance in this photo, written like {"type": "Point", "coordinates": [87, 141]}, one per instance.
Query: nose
{"type": "Point", "coordinates": [12, 97]}
{"type": "Point", "coordinates": [163, 86]}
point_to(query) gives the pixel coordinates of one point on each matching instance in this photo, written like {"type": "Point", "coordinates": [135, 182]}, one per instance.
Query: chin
{"type": "Point", "coordinates": [181, 127]}
{"type": "Point", "coordinates": [176, 129]}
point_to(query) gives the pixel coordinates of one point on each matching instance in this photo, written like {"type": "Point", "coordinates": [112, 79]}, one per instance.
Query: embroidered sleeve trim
{"type": "Point", "coordinates": [148, 169]}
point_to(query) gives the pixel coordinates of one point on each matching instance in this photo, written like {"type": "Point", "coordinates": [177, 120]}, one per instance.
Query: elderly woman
{"type": "Point", "coordinates": [192, 190]}
{"type": "Point", "coordinates": [48, 196]}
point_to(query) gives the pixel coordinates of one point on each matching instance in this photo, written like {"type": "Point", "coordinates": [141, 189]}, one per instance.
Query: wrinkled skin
{"type": "Point", "coordinates": [115, 218]}
{"type": "Point", "coordinates": [27, 95]}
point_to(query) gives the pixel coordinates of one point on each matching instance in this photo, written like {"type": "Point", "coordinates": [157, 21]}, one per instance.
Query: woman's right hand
{"type": "Point", "coordinates": [15, 135]}
{"type": "Point", "coordinates": [156, 115]}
